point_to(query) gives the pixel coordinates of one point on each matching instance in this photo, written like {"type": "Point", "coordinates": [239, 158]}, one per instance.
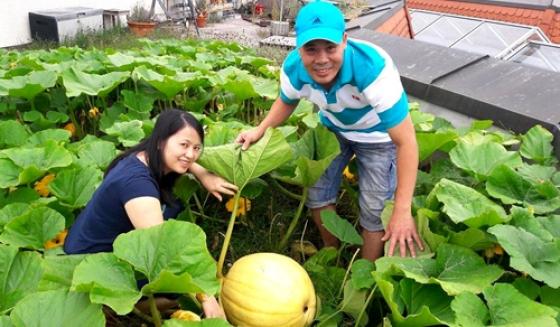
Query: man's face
{"type": "Point", "coordinates": [322, 60]}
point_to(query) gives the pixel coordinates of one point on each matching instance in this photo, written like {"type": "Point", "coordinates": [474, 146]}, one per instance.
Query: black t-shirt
{"type": "Point", "coordinates": [104, 217]}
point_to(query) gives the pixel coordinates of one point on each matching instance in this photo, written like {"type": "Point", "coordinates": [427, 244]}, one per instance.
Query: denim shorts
{"type": "Point", "coordinates": [376, 179]}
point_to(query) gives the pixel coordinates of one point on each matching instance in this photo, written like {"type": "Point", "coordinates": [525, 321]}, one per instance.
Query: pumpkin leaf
{"type": "Point", "coordinates": [455, 269]}
{"type": "Point", "coordinates": [78, 82]}
{"type": "Point", "coordinates": [508, 307]}
{"type": "Point", "coordinates": [128, 133]}
{"type": "Point", "coordinates": [57, 308]}
{"type": "Point", "coordinates": [12, 133]}
{"type": "Point", "coordinates": [74, 187]}
{"type": "Point", "coordinates": [537, 145]}
{"type": "Point", "coordinates": [541, 260]}
{"type": "Point", "coordinates": [58, 271]}
{"type": "Point", "coordinates": [34, 228]}
{"type": "Point", "coordinates": [481, 157]}
{"type": "Point", "coordinates": [313, 153]}
{"type": "Point", "coordinates": [465, 205]}
{"type": "Point", "coordinates": [19, 276]}
{"type": "Point", "coordinates": [340, 228]}
{"type": "Point", "coordinates": [424, 305]}
{"type": "Point", "coordinates": [173, 256]}
{"type": "Point", "coordinates": [239, 167]}
{"type": "Point", "coordinates": [108, 280]}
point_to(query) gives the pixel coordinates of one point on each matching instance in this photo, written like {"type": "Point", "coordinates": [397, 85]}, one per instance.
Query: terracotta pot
{"type": "Point", "coordinates": [201, 20]}
{"type": "Point", "coordinates": [141, 28]}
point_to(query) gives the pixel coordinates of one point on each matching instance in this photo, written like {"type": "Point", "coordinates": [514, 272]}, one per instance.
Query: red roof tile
{"type": "Point", "coordinates": [532, 17]}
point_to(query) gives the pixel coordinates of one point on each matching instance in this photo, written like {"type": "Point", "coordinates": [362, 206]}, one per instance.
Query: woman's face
{"type": "Point", "coordinates": [181, 150]}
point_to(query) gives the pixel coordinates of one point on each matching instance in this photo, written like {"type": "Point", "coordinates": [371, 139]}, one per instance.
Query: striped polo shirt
{"type": "Point", "coordinates": [366, 99]}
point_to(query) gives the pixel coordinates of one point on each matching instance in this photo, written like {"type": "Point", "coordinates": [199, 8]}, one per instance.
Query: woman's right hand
{"type": "Point", "coordinates": [212, 308]}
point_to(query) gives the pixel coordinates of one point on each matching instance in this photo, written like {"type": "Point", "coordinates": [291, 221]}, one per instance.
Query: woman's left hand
{"type": "Point", "coordinates": [212, 308]}
{"type": "Point", "coordinates": [217, 185]}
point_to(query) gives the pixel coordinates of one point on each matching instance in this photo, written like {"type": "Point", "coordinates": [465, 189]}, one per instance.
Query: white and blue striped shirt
{"type": "Point", "coordinates": [366, 99]}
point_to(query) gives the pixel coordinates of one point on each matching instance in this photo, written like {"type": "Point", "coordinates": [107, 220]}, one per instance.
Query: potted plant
{"type": "Point", "coordinates": [140, 21]}
{"type": "Point", "coordinates": [201, 13]}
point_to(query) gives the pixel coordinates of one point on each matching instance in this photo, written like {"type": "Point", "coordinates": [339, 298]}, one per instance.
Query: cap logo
{"type": "Point", "coordinates": [317, 20]}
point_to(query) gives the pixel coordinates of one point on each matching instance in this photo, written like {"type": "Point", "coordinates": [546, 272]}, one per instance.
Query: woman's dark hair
{"type": "Point", "coordinates": [169, 122]}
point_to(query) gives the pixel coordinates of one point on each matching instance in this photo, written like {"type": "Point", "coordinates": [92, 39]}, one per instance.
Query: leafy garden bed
{"type": "Point", "coordinates": [486, 201]}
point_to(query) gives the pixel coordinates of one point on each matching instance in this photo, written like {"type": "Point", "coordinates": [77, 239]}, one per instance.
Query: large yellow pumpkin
{"type": "Point", "coordinates": [266, 290]}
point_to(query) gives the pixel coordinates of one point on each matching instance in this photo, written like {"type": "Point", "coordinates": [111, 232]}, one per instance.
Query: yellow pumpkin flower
{"type": "Point", "coordinates": [93, 112]}
{"type": "Point", "coordinates": [42, 186]}
{"type": "Point", "coordinates": [349, 176]}
{"type": "Point", "coordinates": [71, 128]}
{"type": "Point", "coordinates": [57, 241]}
{"type": "Point", "coordinates": [185, 315]}
{"type": "Point", "coordinates": [493, 251]}
{"type": "Point", "coordinates": [242, 209]}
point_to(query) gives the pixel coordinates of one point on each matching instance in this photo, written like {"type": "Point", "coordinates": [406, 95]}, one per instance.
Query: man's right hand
{"type": "Point", "coordinates": [249, 137]}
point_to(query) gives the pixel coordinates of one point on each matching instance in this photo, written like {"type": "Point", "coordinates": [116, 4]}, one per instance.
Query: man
{"type": "Point", "coordinates": [361, 99]}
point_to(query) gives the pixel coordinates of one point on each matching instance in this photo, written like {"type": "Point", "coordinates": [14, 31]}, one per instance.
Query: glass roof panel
{"type": "Point", "coordinates": [539, 55]}
{"type": "Point", "coordinates": [422, 19]}
{"type": "Point", "coordinates": [447, 30]}
{"type": "Point", "coordinates": [491, 38]}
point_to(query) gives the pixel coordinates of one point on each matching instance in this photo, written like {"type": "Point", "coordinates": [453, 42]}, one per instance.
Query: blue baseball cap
{"type": "Point", "coordinates": [319, 20]}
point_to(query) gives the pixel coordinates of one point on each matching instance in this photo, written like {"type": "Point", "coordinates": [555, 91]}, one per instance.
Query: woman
{"type": "Point", "coordinates": [136, 191]}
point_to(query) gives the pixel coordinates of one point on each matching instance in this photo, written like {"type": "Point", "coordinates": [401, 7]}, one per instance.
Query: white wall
{"type": "Point", "coordinates": [14, 18]}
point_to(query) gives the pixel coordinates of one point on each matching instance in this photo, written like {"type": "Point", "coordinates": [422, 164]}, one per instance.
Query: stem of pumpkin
{"type": "Point", "coordinates": [156, 317]}
{"type": "Point", "coordinates": [294, 221]}
{"type": "Point", "coordinates": [228, 235]}
{"type": "Point", "coordinates": [347, 273]}
{"type": "Point", "coordinates": [368, 300]}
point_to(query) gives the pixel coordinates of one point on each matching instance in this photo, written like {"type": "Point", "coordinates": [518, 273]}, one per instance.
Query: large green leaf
{"type": "Point", "coordinates": [465, 205]}
{"type": "Point", "coordinates": [129, 133]}
{"type": "Point", "coordinates": [77, 82]}
{"type": "Point", "coordinates": [98, 153]}
{"type": "Point", "coordinates": [42, 158]}
{"type": "Point", "coordinates": [11, 211]}
{"type": "Point", "coordinates": [108, 280]}
{"type": "Point", "coordinates": [45, 136]}
{"type": "Point", "coordinates": [12, 133]}
{"type": "Point", "coordinates": [455, 269]}
{"type": "Point", "coordinates": [58, 271]}
{"type": "Point", "coordinates": [424, 305]}
{"type": "Point", "coordinates": [139, 102]}
{"type": "Point", "coordinates": [528, 253]}
{"type": "Point", "coordinates": [480, 158]}
{"type": "Point", "coordinates": [507, 185]}
{"type": "Point", "coordinates": [361, 274]}
{"type": "Point", "coordinates": [511, 188]}
{"type": "Point", "coordinates": [5, 321]}
{"type": "Point", "coordinates": [19, 275]}
{"type": "Point", "coordinates": [57, 308]}
{"type": "Point", "coordinates": [74, 187]}
{"type": "Point", "coordinates": [239, 167]}
{"type": "Point", "coordinates": [10, 173]}
{"type": "Point", "coordinates": [33, 228]}
{"type": "Point", "coordinates": [340, 228]}
{"type": "Point", "coordinates": [173, 256]}
{"type": "Point", "coordinates": [168, 85]}
{"type": "Point", "coordinates": [220, 133]}
{"type": "Point", "coordinates": [537, 145]}
{"type": "Point", "coordinates": [508, 307]}
{"type": "Point", "coordinates": [28, 86]}
{"type": "Point", "coordinates": [428, 143]}
{"type": "Point", "coordinates": [313, 154]}
{"type": "Point", "coordinates": [470, 310]}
